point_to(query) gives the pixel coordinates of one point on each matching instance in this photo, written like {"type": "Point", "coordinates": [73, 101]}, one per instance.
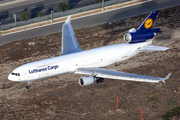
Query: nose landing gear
{"type": "Point", "coordinates": [28, 87]}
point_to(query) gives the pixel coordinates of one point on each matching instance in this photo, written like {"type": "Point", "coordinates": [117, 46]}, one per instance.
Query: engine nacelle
{"type": "Point", "coordinates": [87, 80]}
{"type": "Point", "coordinates": [134, 36]}
{"type": "Point", "coordinates": [138, 37]}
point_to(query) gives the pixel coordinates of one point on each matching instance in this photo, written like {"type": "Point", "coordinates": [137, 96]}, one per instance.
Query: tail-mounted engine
{"type": "Point", "coordinates": [144, 32]}
{"type": "Point", "coordinates": [135, 37]}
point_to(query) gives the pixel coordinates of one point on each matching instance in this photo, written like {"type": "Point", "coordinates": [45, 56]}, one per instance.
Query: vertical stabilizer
{"type": "Point", "coordinates": [148, 22]}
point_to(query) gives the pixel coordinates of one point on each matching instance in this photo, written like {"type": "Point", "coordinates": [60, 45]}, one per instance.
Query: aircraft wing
{"type": "Point", "coordinates": [69, 41]}
{"type": "Point", "coordinates": [153, 48]}
{"type": "Point", "coordinates": [114, 74]}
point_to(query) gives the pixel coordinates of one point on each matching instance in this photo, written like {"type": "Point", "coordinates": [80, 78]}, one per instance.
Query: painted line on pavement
{"type": "Point", "coordinates": [76, 18]}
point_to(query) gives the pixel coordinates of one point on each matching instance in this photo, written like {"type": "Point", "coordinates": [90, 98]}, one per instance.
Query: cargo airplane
{"type": "Point", "coordinates": [91, 62]}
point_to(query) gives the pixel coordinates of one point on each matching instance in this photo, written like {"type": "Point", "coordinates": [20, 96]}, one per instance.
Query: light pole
{"type": "Point", "coordinates": [103, 5]}
{"type": "Point", "coordinates": [14, 16]}
{"type": "Point", "coordinates": [51, 15]}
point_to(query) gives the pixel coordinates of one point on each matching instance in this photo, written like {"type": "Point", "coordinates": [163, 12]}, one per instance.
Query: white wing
{"type": "Point", "coordinates": [114, 74]}
{"type": "Point", "coordinates": [69, 41]}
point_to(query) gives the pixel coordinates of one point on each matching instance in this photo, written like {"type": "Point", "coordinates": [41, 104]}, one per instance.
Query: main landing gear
{"type": "Point", "coordinates": [28, 87]}
{"type": "Point", "coordinates": [100, 80]}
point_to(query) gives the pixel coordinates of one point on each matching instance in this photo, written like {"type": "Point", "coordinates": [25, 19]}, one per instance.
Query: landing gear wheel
{"type": "Point", "coordinates": [28, 87]}
{"type": "Point", "coordinates": [102, 79]}
{"type": "Point", "coordinates": [98, 81]}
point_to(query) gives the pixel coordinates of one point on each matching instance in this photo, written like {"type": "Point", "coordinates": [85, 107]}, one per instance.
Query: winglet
{"type": "Point", "coordinates": [68, 19]}
{"type": "Point", "coordinates": [167, 77]}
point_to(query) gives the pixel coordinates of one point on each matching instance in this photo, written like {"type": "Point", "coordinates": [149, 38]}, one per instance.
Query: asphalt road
{"type": "Point", "coordinates": [45, 7]}
{"type": "Point", "coordinates": [93, 20]}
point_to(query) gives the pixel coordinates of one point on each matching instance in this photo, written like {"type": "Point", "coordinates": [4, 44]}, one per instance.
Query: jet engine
{"type": "Point", "coordinates": [87, 80]}
{"type": "Point", "coordinates": [134, 36]}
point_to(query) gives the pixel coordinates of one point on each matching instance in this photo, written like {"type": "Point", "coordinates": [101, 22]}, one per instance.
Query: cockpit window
{"type": "Point", "coordinates": [12, 73]}
{"type": "Point", "coordinates": [16, 74]}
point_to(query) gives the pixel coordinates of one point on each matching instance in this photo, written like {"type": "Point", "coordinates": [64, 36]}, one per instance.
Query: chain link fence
{"type": "Point", "coordinates": [60, 14]}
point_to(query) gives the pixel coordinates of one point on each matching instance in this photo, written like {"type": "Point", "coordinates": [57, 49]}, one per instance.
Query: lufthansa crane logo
{"type": "Point", "coordinates": [148, 23]}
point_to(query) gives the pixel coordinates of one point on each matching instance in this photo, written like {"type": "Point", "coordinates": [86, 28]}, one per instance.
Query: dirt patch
{"type": "Point", "coordinates": [61, 97]}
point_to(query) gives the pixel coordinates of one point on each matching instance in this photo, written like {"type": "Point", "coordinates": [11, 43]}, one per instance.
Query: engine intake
{"type": "Point", "coordinates": [87, 80]}
{"type": "Point", "coordinates": [138, 37]}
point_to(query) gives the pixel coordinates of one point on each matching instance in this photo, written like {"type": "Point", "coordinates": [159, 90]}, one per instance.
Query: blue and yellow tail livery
{"type": "Point", "coordinates": [144, 32]}
{"type": "Point", "coordinates": [148, 22]}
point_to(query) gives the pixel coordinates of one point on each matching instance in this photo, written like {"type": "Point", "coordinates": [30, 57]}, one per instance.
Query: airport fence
{"type": "Point", "coordinates": [60, 14]}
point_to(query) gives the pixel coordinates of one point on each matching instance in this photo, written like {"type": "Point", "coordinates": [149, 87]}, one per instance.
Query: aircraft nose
{"type": "Point", "coordinates": [10, 77]}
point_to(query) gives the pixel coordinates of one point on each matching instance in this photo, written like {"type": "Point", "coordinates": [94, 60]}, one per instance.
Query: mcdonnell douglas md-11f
{"type": "Point", "coordinates": [91, 62]}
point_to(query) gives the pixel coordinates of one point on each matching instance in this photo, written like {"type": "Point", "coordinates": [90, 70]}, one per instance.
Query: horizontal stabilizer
{"type": "Point", "coordinates": [153, 48]}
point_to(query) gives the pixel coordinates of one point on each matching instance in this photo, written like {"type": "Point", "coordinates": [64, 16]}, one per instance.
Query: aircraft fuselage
{"type": "Point", "coordinates": [98, 57]}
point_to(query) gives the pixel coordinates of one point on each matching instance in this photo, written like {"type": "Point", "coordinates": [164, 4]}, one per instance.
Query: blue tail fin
{"type": "Point", "coordinates": [148, 22]}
